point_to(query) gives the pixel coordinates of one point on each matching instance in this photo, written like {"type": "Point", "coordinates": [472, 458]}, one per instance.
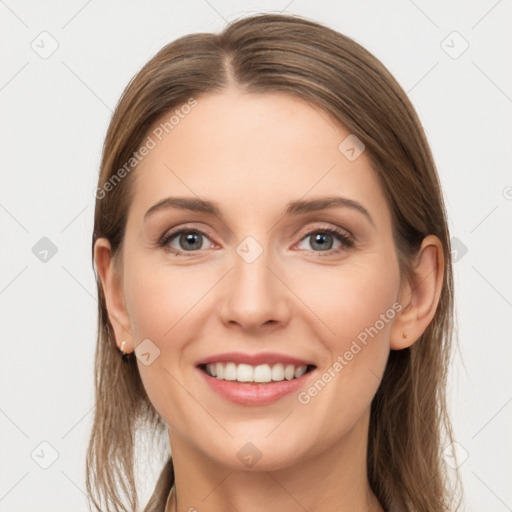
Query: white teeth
{"type": "Point", "coordinates": [300, 371]}
{"type": "Point", "coordinates": [289, 372]}
{"type": "Point", "coordinates": [261, 373]}
{"type": "Point", "coordinates": [245, 373]}
{"type": "Point", "coordinates": [230, 371]}
{"type": "Point", "coordinates": [278, 372]}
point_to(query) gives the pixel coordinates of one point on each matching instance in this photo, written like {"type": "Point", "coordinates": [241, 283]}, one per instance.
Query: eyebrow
{"type": "Point", "coordinates": [292, 208]}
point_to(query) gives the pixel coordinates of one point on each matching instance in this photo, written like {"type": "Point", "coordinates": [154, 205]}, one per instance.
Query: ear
{"type": "Point", "coordinates": [111, 281]}
{"type": "Point", "coordinates": [420, 296]}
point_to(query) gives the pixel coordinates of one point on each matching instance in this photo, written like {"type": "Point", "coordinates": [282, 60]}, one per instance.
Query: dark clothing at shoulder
{"type": "Point", "coordinates": [162, 489]}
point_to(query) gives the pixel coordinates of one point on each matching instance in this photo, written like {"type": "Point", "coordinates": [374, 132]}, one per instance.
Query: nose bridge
{"type": "Point", "coordinates": [254, 294]}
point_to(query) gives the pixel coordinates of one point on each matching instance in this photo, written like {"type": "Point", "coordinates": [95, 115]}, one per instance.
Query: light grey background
{"type": "Point", "coordinates": [55, 113]}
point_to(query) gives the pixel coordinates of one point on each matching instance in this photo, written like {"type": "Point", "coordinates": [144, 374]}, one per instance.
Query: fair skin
{"type": "Point", "coordinates": [253, 154]}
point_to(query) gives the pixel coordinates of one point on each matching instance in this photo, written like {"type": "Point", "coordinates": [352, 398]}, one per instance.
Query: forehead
{"type": "Point", "coordinates": [252, 151]}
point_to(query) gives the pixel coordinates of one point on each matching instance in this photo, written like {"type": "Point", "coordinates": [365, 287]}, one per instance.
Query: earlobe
{"type": "Point", "coordinates": [420, 297]}
{"type": "Point", "coordinates": [113, 291]}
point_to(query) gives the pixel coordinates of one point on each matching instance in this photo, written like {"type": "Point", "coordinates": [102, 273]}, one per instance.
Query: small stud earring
{"type": "Point", "coordinates": [124, 355]}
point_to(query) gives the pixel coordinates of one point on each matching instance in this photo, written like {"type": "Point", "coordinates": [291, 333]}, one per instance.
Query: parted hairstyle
{"type": "Point", "coordinates": [409, 424]}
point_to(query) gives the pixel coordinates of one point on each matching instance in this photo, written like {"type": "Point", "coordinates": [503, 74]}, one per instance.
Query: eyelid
{"type": "Point", "coordinates": [347, 239]}
{"type": "Point", "coordinates": [164, 241]}
{"type": "Point", "coordinates": [178, 229]}
{"type": "Point", "coordinates": [319, 226]}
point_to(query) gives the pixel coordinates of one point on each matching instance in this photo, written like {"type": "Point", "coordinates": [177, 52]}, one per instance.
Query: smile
{"type": "Point", "coordinates": [262, 373]}
{"type": "Point", "coordinates": [255, 379]}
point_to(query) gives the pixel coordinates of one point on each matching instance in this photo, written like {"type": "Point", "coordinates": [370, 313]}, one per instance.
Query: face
{"type": "Point", "coordinates": [267, 288]}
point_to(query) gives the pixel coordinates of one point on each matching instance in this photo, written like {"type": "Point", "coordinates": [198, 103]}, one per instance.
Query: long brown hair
{"type": "Point", "coordinates": [409, 425]}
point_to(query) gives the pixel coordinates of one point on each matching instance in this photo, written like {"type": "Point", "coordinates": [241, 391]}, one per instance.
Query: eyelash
{"type": "Point", "coordinates": [347, 242]}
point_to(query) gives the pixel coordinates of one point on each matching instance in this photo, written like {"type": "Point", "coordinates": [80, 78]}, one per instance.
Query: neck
{"type": "Point", "coordinates": [334, 480]}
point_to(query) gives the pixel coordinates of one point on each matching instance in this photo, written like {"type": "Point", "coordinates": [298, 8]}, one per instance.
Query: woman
{"type": "Point", "coordinates": [295, 354]}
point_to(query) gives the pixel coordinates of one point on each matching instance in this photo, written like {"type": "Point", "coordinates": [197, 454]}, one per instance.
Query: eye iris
{"type": "Point", "coordinates": [191, 238]}
{"type": "Point", "coordinates": [319, 238]}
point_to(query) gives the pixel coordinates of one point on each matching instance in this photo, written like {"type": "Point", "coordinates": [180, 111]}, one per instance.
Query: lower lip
{"type": "Point", "coordinates": [249, 393]}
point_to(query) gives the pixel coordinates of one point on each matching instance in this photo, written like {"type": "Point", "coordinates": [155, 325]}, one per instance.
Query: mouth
{"type": "Point", "coordinates": [255, 379]}
{"type": "Point", "coordinates": [247, 385]}
{"type": "Point", "coordinates": [255, 374]}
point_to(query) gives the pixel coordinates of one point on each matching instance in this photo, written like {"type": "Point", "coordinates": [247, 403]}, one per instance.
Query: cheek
{"type": "Point", "coordinates": [357, 305]}
{"type": "Point", "coordinates": [351, 302]}
{"type": "Point", "coordinates": [161, 302]}
{"type": "Point", "coordinates": [159, 299]}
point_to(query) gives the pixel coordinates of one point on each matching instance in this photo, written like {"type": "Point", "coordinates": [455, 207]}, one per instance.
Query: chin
{"type": "Point", "coordinates": [258, 454]}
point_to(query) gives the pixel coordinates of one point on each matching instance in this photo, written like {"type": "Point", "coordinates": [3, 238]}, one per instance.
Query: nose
{"type": "Point", "coordinates": [255, 296]}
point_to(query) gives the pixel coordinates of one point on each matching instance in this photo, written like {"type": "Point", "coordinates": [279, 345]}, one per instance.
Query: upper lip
{"type": "Point", "coordinates": [254, 359]}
